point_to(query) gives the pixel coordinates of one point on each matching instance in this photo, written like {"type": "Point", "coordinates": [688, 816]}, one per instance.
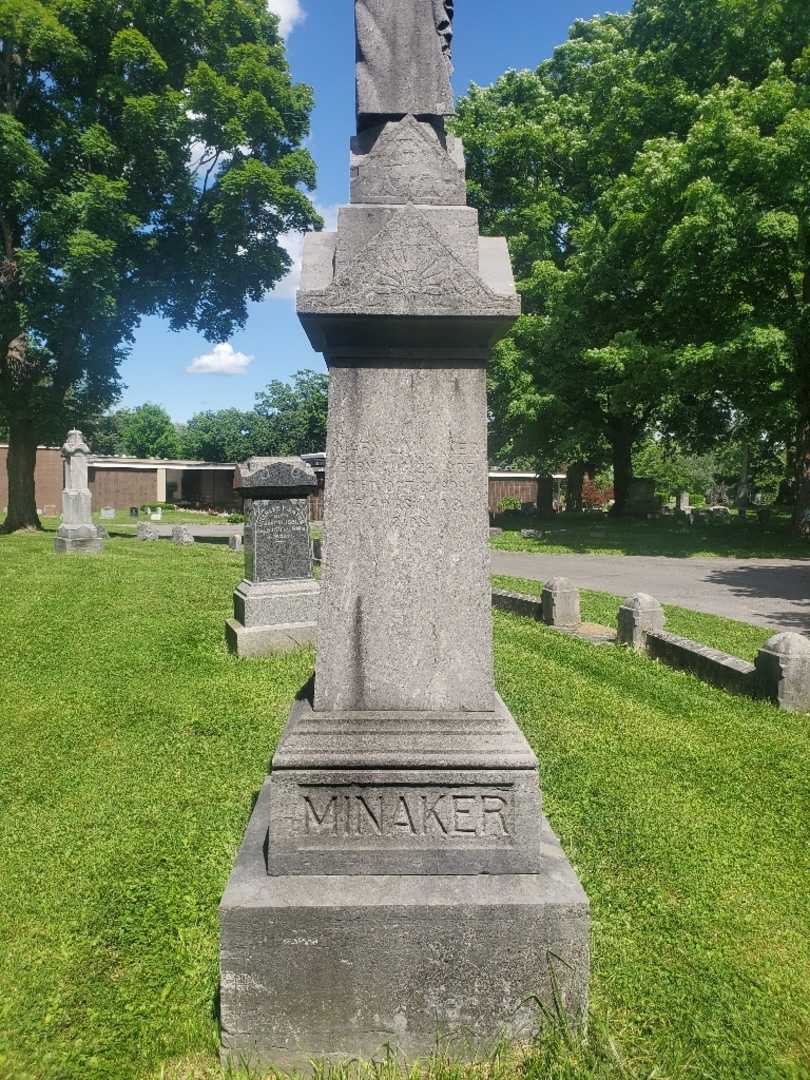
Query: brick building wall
{"type": "Point", "coordinates": [48, 479]}
{"type": "Point", "coordinates": [122, 488]}
{"type": "Point", "coordinates": [519, 487]}
{"type": "Point", "coordinates": [134, 486]}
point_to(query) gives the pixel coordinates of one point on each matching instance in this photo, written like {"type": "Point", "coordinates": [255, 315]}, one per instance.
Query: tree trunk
{"type": "Point", "coordinates": [22, 459]}
{"type": "Point", "coordinates": [573, 487]}
{"type": "Point", "coordinates": [801, 519]}
{"type": "Point", "coordinates": [622, 445]}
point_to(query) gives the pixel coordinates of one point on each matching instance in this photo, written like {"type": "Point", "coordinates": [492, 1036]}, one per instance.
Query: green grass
{"type": "Point", "coordinates": [123, 524]}
{"type": "Point", "coordinates": [134, 745]}
{"type": "Point", "coordinates": [598, 534]}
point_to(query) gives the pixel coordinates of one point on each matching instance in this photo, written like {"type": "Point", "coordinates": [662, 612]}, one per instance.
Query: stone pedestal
{"type": "Point", "coordinates": [561, 605]}
{"type": "Point", "coordinates": [339, 966]}
{"type": "Point", "coordinates": [77, 535]}
{"type": "Point", "coordinates": [276, 606]}
{"type": "Point", "coordinates": [397, 881]}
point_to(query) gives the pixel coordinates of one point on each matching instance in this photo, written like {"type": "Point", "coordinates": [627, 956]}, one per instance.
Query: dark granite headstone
{"type": "Point", "coordinates": [277, 544]}
{"type": "Point", "coordinates": [275, 606]}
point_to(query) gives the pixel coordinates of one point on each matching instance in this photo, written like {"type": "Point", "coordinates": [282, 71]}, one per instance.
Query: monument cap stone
{"type": "Point", "coordinates": [389, 38]}
{"type": "Point", "coordinates": [639, 615]}
{"type": "Point", "coordinates": [561, 605]}
{"type": "Point", "coordinates": [275, 478]}
{"type": "Point", "coordinates": [783, 671]}
{"type": "Point", "coordinates": [75, 444]}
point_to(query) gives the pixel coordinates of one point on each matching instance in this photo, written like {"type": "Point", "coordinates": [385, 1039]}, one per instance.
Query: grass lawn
{"type": "Point", "coordinates": [133, 746]}
{"type": "Point", "coordinates": [123, 523]}
{"type": "Point", "coordinates": [598, 534]}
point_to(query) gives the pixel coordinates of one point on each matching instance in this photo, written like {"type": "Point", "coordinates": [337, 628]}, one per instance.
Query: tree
{"type": "Point", "coordinates": [720, 223]}
{"type": "Point", "coordinates": [105, 433]}
{"type": "Point", "coordinates": [150, 157]}
{"type": "Point", "coordinates": [148, 432]}
{"type": "Point", "coordinates": [543, 149]}
{"type": "Point", "coordinates": [295, 413]}
{"type": "Point", "coordinates": [227, 435]}
{"type": "Point", "coordinates": [652, 181]}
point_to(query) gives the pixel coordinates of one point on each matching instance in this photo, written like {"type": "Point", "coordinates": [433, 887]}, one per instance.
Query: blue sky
{"type": "Point", "coordinates": [490, 37]}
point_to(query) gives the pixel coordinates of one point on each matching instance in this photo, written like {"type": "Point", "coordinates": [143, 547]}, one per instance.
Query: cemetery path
{"type": "Point", "coordinates": [768, 592]}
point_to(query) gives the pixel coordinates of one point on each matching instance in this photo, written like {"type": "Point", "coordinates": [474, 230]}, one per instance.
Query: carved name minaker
{"type": "Point", "coordinates": [434, 814]}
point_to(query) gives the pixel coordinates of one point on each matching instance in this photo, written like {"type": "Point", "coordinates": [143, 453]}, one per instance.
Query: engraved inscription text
{"type": "Point", "coordinates": [414, 815]}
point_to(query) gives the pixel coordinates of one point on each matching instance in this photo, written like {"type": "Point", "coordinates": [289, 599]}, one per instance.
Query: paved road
{"type": "Point", "coordinates": [769, 592]}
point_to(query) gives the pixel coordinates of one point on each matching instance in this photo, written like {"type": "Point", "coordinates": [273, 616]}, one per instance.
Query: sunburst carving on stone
{"type": "Point", "coordinates": [407, 269]}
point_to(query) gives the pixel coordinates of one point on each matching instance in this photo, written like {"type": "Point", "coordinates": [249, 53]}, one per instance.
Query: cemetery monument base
{"type": "Point", "coordinates": [273, 617]}
{"type": "Point", "coordinates": [317, 967]}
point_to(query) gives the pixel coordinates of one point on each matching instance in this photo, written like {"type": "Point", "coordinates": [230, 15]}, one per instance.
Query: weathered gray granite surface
{"type": "Point", "coordinates": [397, 880]}
{"type": "Point", "coordinates": [638, 616]}
{"type": "Point", "coordinates": [77, 535]}
{"type": "Point", "coordinates": [561, 606]}
{"type": "Point", "coordinates": [403, 793]}
{"type": "Point", "coordinates": [783, 671]}
{"type": "Point", "coordinates": [406, 594]}
{"type": "Point", "coordinates": [390, 36]}
{"type": "Point", "coordinates": [329, 967]}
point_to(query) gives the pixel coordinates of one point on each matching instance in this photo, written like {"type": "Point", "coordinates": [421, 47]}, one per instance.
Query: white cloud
{"type": "Point", "coordinates": [289, 12]}
{"type": "Point", "coordinates": [293, 244]}
{"type": "Point", "coordinates": [222, 360]}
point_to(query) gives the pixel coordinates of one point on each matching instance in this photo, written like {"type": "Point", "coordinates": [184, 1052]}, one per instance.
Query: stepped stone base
{"type": "Point", "coordinates": [252, 641]}
{"type": "Point", "coordinates": [90, 545]}
{"type": "Point", "coordinates": [273, 616]}
{"type": "Point", "coordinates": [316, 967]}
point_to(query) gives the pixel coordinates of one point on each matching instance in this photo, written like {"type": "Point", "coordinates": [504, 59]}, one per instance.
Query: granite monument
{"type": "Point", "coordinates": [77, 535]}
{"type": "Point", "coordinates": [397, 881]}
{"type": "Point", "coordinates": [276, 605]}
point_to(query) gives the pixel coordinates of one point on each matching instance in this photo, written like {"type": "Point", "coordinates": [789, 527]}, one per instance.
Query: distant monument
{"type": "Point", "coordinates": [276, 606]}
{"type": "Point", "coordinates": [77, 535]}
{"type": "Point", "coordinates": [397, 881]}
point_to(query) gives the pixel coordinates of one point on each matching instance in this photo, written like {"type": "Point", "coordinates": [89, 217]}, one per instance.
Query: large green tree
{"type": "Point", "coordinates": [295, 413]}
{"type": "Point", "coordinates": [719, 225]}
{"type": "Point", "coordinates": [148, 432]}
{"type": "Point", "coordinates": [228, 435]}
{"type": "Point", "coordinates": [652, 181]}
{"type": "Point", "coordinates": [150, 156]}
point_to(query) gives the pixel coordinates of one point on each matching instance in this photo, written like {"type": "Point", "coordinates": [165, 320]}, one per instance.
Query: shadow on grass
{"type": "Point", "coordinates": [597, 534]}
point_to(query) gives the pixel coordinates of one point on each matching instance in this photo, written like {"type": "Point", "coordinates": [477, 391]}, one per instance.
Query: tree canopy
{"type": "Point", "coordinates": [150, 157]}
{"type": "Point", "coordinates": [295, 413]}
{"type": "Point", "coordinates": [652, 179]}
{"type": "Point", "coordinates": [148, 432]}
{"type": "Point", "coordinates": [289, 419]}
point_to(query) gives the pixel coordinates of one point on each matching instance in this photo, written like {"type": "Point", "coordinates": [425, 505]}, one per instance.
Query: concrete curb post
{"type": "Point", "coordinates": [561, 605]}
{"type": "Point", "coordinates": [639, 615]}
{"type": "Point", "coordinates": [783, 672]}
